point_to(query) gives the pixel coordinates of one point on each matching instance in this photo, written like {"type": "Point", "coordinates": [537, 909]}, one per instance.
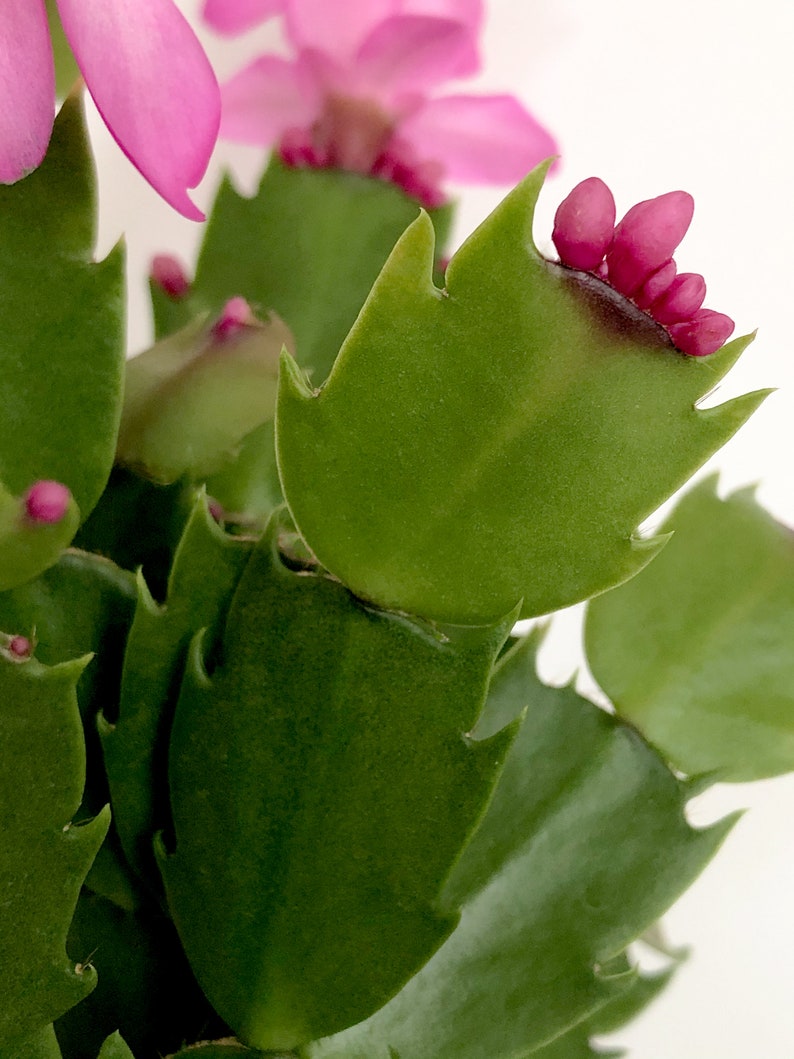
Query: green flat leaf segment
{"type": "Point", "coordinates": [61, 324]}
{"type": "Point", "coordinates": [309, 245]}
{"type": "Point", "coordinates": [115, 1048]}
{"type": "Point", "coordinates": [43, 857]}
{"type": "Point", "coordinates": [206, 568]}
{"type": "Point", "coordinates": [321, 788]}
{"type": "Point", "coordinates": [698, 652]}
{"type": "Point", "coordinates": [498, 440]}
{"type": "Point", "coordinates": [583, 846]}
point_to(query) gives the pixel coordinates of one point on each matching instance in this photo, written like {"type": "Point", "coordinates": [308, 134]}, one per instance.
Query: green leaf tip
{"type": "Point", "coordinates": [316, 708]}
{"type": "Point", "coordinates": [27, 546]}
{"type": "Point", "coordinates": [528, 412]}
{"type": "Point", "coordinates": [696, 651]}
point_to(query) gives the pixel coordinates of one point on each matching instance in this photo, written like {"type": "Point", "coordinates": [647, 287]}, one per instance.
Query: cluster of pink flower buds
{"type": "Point", "coordinates": [636, 258]}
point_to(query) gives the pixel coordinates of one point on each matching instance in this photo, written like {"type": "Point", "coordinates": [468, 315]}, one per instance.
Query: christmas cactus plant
{"type": "Point", "coordinates": [280, 777]}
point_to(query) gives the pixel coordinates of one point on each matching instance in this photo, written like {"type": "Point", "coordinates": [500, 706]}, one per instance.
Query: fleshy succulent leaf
{"type": "Point", "coordinates": [526, 408]}
{"type": "Point", "coordinates": [697, 653]}
{"type": "Point", "coordinates": [115, 1048]}
{"type": "Point", "coordinates": [192, 398]}
{"type": "Point", "coordinates": [206, 568]}
{"type": "Point", "coordinates": [61, 325]}
{"type": "Point", "coordinates": [308, 246]}
{"type": "Point", "coordinates": [322, 786]}
{"type": "Point", "coordinates": [44, 857]}
{"type": "Point", "coordinates": [26, 546]}
{"type": "Point", "coordinates": [583, 846]}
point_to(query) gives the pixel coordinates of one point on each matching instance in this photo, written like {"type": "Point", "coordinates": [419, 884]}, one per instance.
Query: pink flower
{"type": "Point", "coordinates": [144, 67]}
{"type": "Point", "coordinates": [636, 258]}
{"type": "Point", "coordinates": [359, 94]}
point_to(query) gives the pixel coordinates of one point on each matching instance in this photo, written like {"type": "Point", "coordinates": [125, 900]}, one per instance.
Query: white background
{"type": "Point", "coordinates": [692, 94]}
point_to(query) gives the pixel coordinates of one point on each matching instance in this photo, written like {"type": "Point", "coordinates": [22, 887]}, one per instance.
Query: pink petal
{"type": "Point", "coordinates": [583, 225]}
{"type": "Point", "coordinates": [236, 16]}
{"type": "Point", "coordinates": [704, 334]}
{"type": "Point", "coordinates": [153, 86]}
{"type": "Point", "coordinates": [656, 284]}
{"type": "Point", "coordinates": [482, 139]}
{"type": "Point", "coordinates": [413, 53]}
{"type": "Point", "coordinates": [469, 12]}
{"type": "Point", "coordinates": [321, 25]}
{"type": "Point", "coordinates": [682, 299]}
{"type": "Point", "coordinates": [647, 237]}
{"type": "Point", "coordinates": [265, 99]}
{"type": "Point", "coordinates": [27, 87]}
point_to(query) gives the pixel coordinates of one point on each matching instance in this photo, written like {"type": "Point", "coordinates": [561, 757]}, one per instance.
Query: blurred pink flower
{"type": "Point", "coordinates": [144, 67]}
{"type": "Point", "coordinates": [636, 258]}
{"type": "Point", "coordinates": [359, 94]}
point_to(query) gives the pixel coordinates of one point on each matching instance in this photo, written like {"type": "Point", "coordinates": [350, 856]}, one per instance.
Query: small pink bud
{"type": "Point", "coordinates": [646, 238]}
{"type": "Point", "coordinates": [703, 334]}
{"type": "Point", "coordinates": [235, 317]}
{"type": "Point", "coordinates": [47, 502]}
{"type": "Point", "coordinates": [215, 509]}
{"type": "Point", "coordinates": [584, 224]}
{"type": "Point", "coordinates": [681, 301]}
{"type": "Point", "coordinates": [20, 647]}
{"type": "Point", "coordinates": [169, 275]}
{"type": "Point", "coordinates": [655, 285]}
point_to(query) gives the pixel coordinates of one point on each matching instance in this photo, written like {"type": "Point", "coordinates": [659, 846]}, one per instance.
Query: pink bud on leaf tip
{"type": "Point", "coordinates": [584, 225]}
{"type": "Point", "coordinates": [656, 285]}
{"type": "Point", "coordinates": [646, 238]}
{"type": "Point", "coordinates": [235, 316]}
{"type": "Point", "coordinates": [703, 334]}
{"type": "Point", "coordinates": [682, 300]}
{"type": "Point", "coordinates": [20, 647]}
{"type": "Point", "coordinates": [47, 502]}
{"type": "Point", "coordinates": [169, 275]}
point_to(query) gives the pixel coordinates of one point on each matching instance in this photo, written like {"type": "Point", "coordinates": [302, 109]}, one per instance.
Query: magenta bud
{"type": "Point", "coordinates": [47, 502]}
{"type": "Point", "coordinates": [681, 301]}
{"type": "Point", "coordinates": [215, 509]}
{"type": "Point", "coordinates": [20, 647]}
{"type": "Point", "coordinates": [646, 238]}
{"type": "Point", "coordinates": [584, 225]}
{"type": "Point", "coordinates": [655, 285]}
{"type": "Point", "coordinates": [703, 334]}
{"type": "Point", "coordinates": [169, 275]}
{"type": "Point", "coordinates": [235, 317]}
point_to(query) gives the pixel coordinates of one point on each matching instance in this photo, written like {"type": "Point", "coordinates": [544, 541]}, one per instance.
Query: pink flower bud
{"type": "Point", "coordinates": [681, 301]}
{"type": "Point", "coordinates": [216, 510]}
{"type": "Point", "coordinates": [20, 647]}
{"type": "Point", "coordinates": [47, 502]}
{"type": "Point", "coordinates": [169, 275]}
{"type": "Point", "coordinates": [703, 334]}
{"type": "Point", "coordinates": [655, 285]}
{"type": "Point", "coordinates": [646, 238]}
{"type": "Point", "coordinates": [235, 317]}
{"type": "Point", "coordinates": [584, 225]}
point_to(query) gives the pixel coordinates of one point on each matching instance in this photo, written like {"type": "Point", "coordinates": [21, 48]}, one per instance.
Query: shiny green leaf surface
{"type": "Point", "coordinates": [44, 858]}
{"type": "Point", "coordinates": [496, 441]}
{"type": "Point", "coordinates": [308, 246]}
{"type": "Point", "coordinates": [206, 568]}
{"type": "Point", "coordinates": [322, 785]}
{"type": "Point", "coordinates": [583, 846]}
{"type": "Point", "coordinates": [698, 652]}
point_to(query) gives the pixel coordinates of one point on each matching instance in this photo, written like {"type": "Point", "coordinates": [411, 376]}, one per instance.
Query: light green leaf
{"type": "Point", "coordinates": [583, 846]}
{"type": "Point", "coordinates": [115, 1048]}
{"type": "Point", "coordinates": [191, 399]}
{"type": "Point", "coordinates": [43, 857]}
{"type": "Point", "coordinates": [498, 440]}
{"type": "Point", "coordinates": [308, 246]}
{"type": "Point", "coordinates": [206, 568]}
{"type": "Point", "coordinates": [61, 324]}
{"type": "Point", "coordinates": [41, 1045]}
{"type": "Point", "coordinates": [698, 652]}
{"type": "Point", "coordinates": [322, 786]}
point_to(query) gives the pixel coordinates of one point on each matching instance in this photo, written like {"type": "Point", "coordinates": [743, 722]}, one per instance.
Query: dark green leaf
{"type": "Point", "coordinates": [698, 652]}
{"type": "Point", "coordinates": [206, 568]}
{"type": "Point", "coordinates": [322, 786]}
{"type": "Point", "coordinates": [43, 857]}
{"type": "Point", "coordinates": [498, 440]}
{"type": "Point", "coordinates": [583, 847]}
